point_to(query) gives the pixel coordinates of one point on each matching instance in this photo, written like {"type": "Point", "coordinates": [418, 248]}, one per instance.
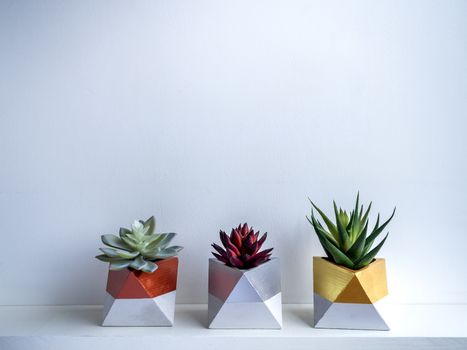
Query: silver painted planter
{"type": "Point", "coordinates": [136, 298]}
{"type": "Point", "coordinates": [245, 298]}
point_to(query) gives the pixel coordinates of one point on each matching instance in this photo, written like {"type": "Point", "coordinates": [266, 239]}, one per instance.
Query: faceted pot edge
{"type": "Point", "coordinates": [349, 299]}
{"type": "Point", "coordinates": [136, 298]}
{"type": "Point", "coordinates": [245, 298]}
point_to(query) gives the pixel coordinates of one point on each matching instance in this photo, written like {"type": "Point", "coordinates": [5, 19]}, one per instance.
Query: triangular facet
{"type": "Point", "coordinates": [166, 303]}
{"type": "Point", "coordinates": [109, 300]}
{"type": "Point", "coordinates": [116, 280]}
{"type": "Point", "coordinates": [320, 306]}
{"type": "Point", "coordinates": [245, 315]}
{"type": "Point", "coordinates": [132, 288]}
{"type": "Point", "coordinates": [222, 279]}
{"type": "Point", "coordinates": [243, 292]}
{"type": "Point", "coordinates": [135, 312]}
{"type": "Point", "coordinates": [373, 280]}
{"type": "Point", "coordinates": [214, 305]}
{"type": "Point", "coordinates": [266, 278]}
{"type": "Point", "coordinates": [353, 293]}
{"type": "Point", "coordinates": [274, 305]}
{"type": "Point", "coordinates": [161, 281]}
{"type": "Point", "coordinates": [352, 316]}
{"type": "Point", "coordinates": [329, 279]}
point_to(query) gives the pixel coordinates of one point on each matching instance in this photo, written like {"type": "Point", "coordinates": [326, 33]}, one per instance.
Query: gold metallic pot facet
{"type": "Point", "coordinates": [339, 284]}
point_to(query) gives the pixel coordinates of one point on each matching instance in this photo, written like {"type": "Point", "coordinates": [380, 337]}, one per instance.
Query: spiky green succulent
{"type": "Point", "coordinates": [347, 242]}
{"type": "Point", "coordinates": [137, 248]}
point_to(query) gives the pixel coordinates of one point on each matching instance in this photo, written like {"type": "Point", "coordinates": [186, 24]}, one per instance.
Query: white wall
{"type": "Point", "coordinates": [211, 113]}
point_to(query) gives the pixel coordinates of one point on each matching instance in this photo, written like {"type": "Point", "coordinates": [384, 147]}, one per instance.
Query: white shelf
{"type": "Point", "coordinates": [78, 327]}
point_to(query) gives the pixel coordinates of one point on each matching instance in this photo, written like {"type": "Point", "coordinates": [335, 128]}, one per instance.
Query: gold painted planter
{"type": "Point", "coordinates": [349, 299]}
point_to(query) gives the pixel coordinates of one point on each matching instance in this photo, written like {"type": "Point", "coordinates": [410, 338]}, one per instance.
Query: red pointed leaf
{"type": "Point", "coordinates": [236, 239]}
{"type": "Point", "coordinates": [262, 239]}
{"type": "Point", "coordinates": [245, 229]}
{"type": "Point", "coordinates": [220, 258]}
{"type": "Point", "coordinates": [235, 261]}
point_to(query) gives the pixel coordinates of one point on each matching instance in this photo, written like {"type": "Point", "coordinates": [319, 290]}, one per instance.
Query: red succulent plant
{"type": "Point", "coordinates": [242, 248]}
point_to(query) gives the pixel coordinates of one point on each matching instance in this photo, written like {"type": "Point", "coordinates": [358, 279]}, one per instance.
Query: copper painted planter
{"type": "Point", "coordinates": [245, 298]}
{"type": "Point", "coordinates": [349, 299]}
{"type": "Point", "coordinates": [136, 298]}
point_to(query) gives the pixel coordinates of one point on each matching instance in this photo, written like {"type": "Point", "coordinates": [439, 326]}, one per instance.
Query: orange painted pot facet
{"type": "Point", "coordinates": [132, 284]}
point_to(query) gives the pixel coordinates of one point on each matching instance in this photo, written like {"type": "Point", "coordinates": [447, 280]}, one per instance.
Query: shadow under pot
{"type": "Point", "coordinates": [245, 298]}
{"type": "Point", "coordinates": [137, 298]}
{"type": "Point", "coordinates": [349, 299]}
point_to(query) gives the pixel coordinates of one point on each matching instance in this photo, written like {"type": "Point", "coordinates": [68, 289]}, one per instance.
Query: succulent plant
{"type": "Point", "coordinates": [347, 242]}
{"type": "Point", "coordinates": [242, 248]}
{"type": "Point", "coordinates": [137, 248]}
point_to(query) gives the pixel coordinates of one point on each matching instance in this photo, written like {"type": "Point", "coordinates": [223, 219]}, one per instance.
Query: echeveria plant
{"type": "Point", "coordinates": [137, 248]}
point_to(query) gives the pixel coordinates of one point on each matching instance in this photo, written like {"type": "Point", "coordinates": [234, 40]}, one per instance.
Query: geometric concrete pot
{"type": "Point", "coordinates": [245, 298]}
{"type": "Point", "coordinates": [137, 298]}
{"type": "Point", "coordinates": [349, 299]}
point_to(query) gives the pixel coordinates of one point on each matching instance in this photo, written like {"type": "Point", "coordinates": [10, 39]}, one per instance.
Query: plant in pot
{"type": "Point", "coordinates": [244, 282]}
{"type": "Point", "coordinates": [349, 284]}
{"type": "Point", "coordinates": [142, 278]}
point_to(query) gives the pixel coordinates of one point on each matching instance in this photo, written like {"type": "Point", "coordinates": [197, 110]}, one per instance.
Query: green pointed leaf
{"type": "Point", "coordinates": [362, 221]}
{"type": "Point", "coordinates": [355, 229]}
{"type": "Point", "coordinates": [123, 232]}
{"type": "Point", "coordinates": [150, 267]}
{"type": "Point", "coordinates": [173, 250]}
{"type": "Point", "coordinates": [166, 239]}
{"type": "Point", "coordinates": [345, 219]}
{"type": "Point", "coordinates": [320, 230]}
{"type": "Point", "coordinates": [177, 248]}
{"type": "Point", "coordinates": [348, 228]}
{"type": "Point", "coordinates": [322, 235]}
{"type": "Point", "coordinates": [328, 254]}
{"type": "Point", "coordinates": [356, 250]}
{"type": "Point", "coordinates": [139, 263]}
{"type": "Point", "coordinates": [377, 223]}
{"type": "Point", "coordinates": [368, 258]}
{"type": "Point", "coordinates": [119, 265]}
{"type": "Point", "coordinates": [132, 242]}
{"type": "Point", "coordinates": [361, 213]}
{"type": "Point", "coordinates": [151, 254]}
{"type": "Point", "coordinates": [106, 258]}
{"type": "Point", "coordinates": [332, 251]}
{"type": "Point", "coordinates": [344, 240]}
{"type": "Point", "coordinates": [138, 230]}
{"type": "Point", "coordinates": [118, 253]}
{"type": "Point", "coordinates": [356, 203]}
{"type": "Point", "coordinates": [367, 212]}
{"type": "Point", "coordinates": [330, 225]}
{"type": "Point", "coordinates": [162, 253]}
{"type": "Point", "coordinates": [338, 256]}
{"type": "Point", "coordinates": [368, 243]}
{"type": "Point", "coordinates": [150, 225]}
{"type": "Point", "coordinates": [114, 241]}
{"type": "Point", "coordinates": [155, 242]}
{"type": "Point", "coordinates": [167, 253]}
{"type": "Point", "coordinates": [371, 238]}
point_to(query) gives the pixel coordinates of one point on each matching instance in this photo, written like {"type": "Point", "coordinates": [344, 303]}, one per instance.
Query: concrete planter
{"type": "Point", "coordinates": [136, 298]}
{"type": "Point", "coordinates": [245, 298]}
{"type": "Point", "coordinates": [349, 299]}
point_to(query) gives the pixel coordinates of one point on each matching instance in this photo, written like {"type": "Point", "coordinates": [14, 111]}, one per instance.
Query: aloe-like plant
{"type": "Point", "coordinates": [347, 241]}
{"type": "Point", "coordinates": [242, 248]}
{"type": "Point", "coordinates": [137, 248]}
